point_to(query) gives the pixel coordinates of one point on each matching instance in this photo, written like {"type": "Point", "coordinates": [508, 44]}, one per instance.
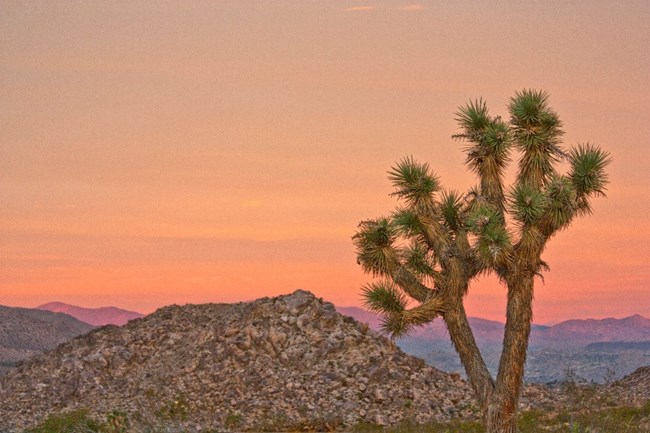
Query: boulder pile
{"type": "Point", "coordinates": [290, 362]}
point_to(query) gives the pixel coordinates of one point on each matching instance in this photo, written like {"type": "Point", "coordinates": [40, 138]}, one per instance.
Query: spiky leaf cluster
{"type": "Point", "coordinates": [488, 148]}
{"type": "Point", "coordinates": [419, 259]}
{"type": "Point", "coordinates": [375, 251]}
{"type": "Point", "coordinates": [561, 201]}
{"type": "Point", "coordinates": [414, 183]}
{"type": "Point", "coordinates": [383, 297]}
{"type": "Point", "coordinates": [492, 244]}
{"type": "Point", "coordinates": [588, 175]}
{"type": "Point", "coordinates": [430, 248]}
{"type": "Point", "coordinates": [451, 208]}
{"type": "Point", "coordinates": [537, 132]}
{"type": "Point", "coordinates": [528, 204]}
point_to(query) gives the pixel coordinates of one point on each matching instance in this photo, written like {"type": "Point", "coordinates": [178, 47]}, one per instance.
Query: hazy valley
{"type": "Point", "coordinates": [594, 350]}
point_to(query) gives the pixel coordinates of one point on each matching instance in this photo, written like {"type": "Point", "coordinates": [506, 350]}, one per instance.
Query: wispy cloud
{"type": "Point", "coordinates": [252, 204]}
{"type": "Point", "coordinates": [413, 7]}
{"type": "Point", "coordinates": [358, 8]}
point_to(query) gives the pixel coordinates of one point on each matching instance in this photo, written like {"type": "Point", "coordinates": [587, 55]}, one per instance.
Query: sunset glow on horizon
{"type": "Point", "coordinates": [187, 152]}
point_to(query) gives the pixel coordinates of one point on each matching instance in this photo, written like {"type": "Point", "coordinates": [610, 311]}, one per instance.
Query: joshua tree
{"type": "Point", "coordinates": [429, 250]}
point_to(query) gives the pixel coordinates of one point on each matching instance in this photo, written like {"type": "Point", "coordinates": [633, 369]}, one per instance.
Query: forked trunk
{"type": "Point", "coordinates": [499, 401]}
{"type": "Point", "coordinates": [501, 414]}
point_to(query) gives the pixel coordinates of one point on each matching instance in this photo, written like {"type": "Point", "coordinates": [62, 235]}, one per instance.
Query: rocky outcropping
{"type": "Point", "coordinates": [26, 332]}
{"type": "Point", "coordinates": [281, 363]}
{"type": "Point", "coordinates": [633, 389]}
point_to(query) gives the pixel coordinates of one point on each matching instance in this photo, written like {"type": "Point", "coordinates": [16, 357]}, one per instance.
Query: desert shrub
{"type": "Point", "coordinates": [76, 421]}
{"type": "Point", "coordinates": [175, 410]}
{"type": "Point", "coordinates": [232, 421]}
{"type": "Point", "coordinates": [610, 420]}
{"type": "Point", "coordinates": [408, 426]}
{"type": "Point", "coordinates": [117, 422]}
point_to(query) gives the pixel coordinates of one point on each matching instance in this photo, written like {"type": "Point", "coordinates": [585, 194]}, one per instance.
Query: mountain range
{"type": "Point", "coordinates": [593, 349]}
{"type": "Point", "coordinates": [94, 316]}
{"type": "Point", "coordinates": [569, 334]}
{"type": "Point", "coordinates": [25, 332]}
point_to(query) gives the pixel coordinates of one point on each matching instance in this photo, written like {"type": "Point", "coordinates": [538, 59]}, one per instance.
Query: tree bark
{"type": "Point", "coordinates": [463, 340]}
{"type": "Point", "coordinates": [502, 409]}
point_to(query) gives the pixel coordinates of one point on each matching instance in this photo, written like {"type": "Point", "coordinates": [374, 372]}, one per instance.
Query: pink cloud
{"type": "Point", "coordinates": [413, 7]}
{"type": "Point", "coordinates": [359, 8]}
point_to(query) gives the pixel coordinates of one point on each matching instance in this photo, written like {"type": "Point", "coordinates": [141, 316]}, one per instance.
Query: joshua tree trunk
{"type": "Point", "coordinates": [431, 248]}
{"type": "Point", "coordinates": [470, 356]}
{"type": "Point", "coordinates": [498, 401]}
{"type": "Point", "coordinates": [502, 411]}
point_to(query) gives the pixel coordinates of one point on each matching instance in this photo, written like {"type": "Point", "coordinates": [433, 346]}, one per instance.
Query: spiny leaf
{"type": "Point", "coordinates": [383, 297]}
{"type": "Point", "coordinates": [481, 217]}
{"type": "Point", "coordinates": [536, 130]}
{"type": "Point", "coordinates": [374, 244]}
{"type": "Point", "coordinates": [417, 258]}
{"type": "Point", "coordinates": [529, 107]}
{"type": "Point", "coordinates": [497, 139]}
{"type": "Point", "coordinates": [472, 118]}
{"type": "Point", "coordinates": [588, 164]}
{"type": "Point", "coordinates": [561, 203]}
{"type": "Point", "coordinates": [414, 182]}
{"type": "Point", "coordinates": [407, 222]}
{"type": "Point", "coordinates": [423, 226]}
{"type": "Point", "coordinates": [488, 151]}
{"type": "Point", "coordinates": [527, 203]}
{"type": "Point", "coordinates": [395, 325]}
{"type": "Point", "coordinates": [450, 207]}
{"type": "Point", "coordinates": [493, 245]}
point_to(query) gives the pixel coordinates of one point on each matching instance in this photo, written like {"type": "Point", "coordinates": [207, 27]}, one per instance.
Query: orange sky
{"type": "Point", "coordinates": [215, 151]}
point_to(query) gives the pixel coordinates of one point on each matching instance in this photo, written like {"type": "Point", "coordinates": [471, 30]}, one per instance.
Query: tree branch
{"type": "Point", "coordinates": [411, 286]}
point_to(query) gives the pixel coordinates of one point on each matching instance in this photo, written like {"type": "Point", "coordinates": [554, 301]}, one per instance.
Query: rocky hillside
{"type": "Point", "coordinates": [25, 332]}
{"type": "Point", "coordinates": [291, 361]}
{"type": "Point", "coordinates": [95, 316]}
{"type": "Point", "coordinates": [633, 389]}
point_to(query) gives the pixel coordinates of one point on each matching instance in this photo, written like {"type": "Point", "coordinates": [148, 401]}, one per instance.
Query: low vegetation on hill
{"type": "Point", "coordinates": [625, 419]}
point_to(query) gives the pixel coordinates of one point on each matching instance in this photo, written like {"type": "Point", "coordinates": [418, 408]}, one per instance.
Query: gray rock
{"type": "Point", "coordinates": [289, 360]}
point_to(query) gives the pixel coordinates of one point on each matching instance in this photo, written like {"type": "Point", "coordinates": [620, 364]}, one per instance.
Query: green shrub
{"type": "Point", "coordinates": [69, 422]}
{"type": "Point", "coordinates": [232, 421]}
{"type": "Point", "coordinates": [117, 422]}
{"type": "Point", "coordinates": [175, 410]}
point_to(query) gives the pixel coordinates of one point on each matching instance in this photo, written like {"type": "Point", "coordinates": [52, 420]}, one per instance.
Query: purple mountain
{"type": "Point", "coordinates": [94, 316]}
{"type": "Point", "coordinates": [568, 334]}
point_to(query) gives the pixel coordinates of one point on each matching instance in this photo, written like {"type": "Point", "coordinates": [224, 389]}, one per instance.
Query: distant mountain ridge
{"type": "Point", "coordinates": [94, 316]}
{"type": "Point", "coordinates": [591, 348]}
{"type": "Point", "coordinates": [583, 332]}
{"type": "Point", "coordinates": [568, 334]}
{"type": "Point", "coordinates": [25, 332]}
